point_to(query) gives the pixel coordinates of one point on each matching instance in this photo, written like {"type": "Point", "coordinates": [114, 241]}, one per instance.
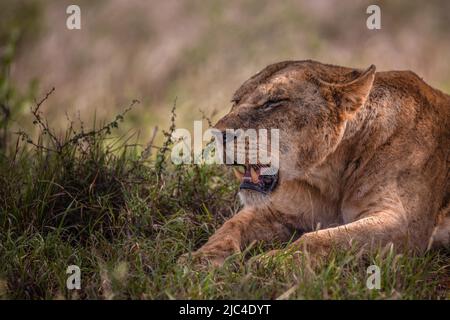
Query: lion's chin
{"type": "Point", "coordinates": [253, 198]}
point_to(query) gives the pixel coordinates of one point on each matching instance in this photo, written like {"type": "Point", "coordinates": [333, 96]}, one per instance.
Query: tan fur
{"type": "Point", "coordinates": [364, 160]}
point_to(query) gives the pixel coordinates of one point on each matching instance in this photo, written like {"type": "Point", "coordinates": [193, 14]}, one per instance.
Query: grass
{"type": "Point", "coordinates": [124, 214]}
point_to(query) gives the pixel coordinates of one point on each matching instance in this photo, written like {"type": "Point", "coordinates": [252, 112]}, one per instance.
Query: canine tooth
{"type": "Point", "coordinates": [238, 174]}
{"type": "Point", "coordinates": [255, 175]}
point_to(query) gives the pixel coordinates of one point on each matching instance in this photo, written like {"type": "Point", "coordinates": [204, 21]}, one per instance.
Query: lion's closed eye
{"type": "Point", "coordinates": [270, 104]}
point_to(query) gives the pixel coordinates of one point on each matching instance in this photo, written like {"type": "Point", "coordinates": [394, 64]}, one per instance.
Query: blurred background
{"type": "Point", "coordinates": [198, 51]}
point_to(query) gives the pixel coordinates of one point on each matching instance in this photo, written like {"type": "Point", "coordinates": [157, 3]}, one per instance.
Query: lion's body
{"type": "Point", "coordinates": [378, 174]}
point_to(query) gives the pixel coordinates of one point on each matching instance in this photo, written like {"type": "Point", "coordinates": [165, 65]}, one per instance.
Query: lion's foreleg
{"type": "Point", "coordinates": [247, 226]}
{"type": "Point", "coordinates": [374, 231]}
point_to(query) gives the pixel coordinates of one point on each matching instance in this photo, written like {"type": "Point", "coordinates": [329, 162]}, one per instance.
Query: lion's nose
{"type": "Point", "coordinates": [224, 123]}
{"type": "Point", "coordinates": [219, 125]}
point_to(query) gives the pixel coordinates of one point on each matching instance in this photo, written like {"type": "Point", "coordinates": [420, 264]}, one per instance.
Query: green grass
{"type": "Point", "coordinates": [94, 201]}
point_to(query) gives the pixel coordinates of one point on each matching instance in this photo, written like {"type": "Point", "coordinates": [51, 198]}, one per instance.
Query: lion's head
{"type": "Point", "coordinates": [310, 103]}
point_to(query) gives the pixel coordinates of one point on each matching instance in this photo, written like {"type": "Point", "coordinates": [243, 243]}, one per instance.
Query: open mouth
{"type": "Point", "coordinates": [251, 178]}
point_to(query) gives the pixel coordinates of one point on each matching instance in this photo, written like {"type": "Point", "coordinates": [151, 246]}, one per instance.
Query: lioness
{"type": "Point", "coordinates": [364, 161]}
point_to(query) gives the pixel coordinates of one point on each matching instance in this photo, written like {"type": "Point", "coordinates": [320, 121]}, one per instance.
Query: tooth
{"type": "Point", "coordinates": [238, 174]}
{"type": "Point", "coordinates": [255, 175]}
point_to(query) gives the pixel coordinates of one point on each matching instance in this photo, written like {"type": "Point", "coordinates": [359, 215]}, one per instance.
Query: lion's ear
{"type": "Point", "coordinates": [350, 96]}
